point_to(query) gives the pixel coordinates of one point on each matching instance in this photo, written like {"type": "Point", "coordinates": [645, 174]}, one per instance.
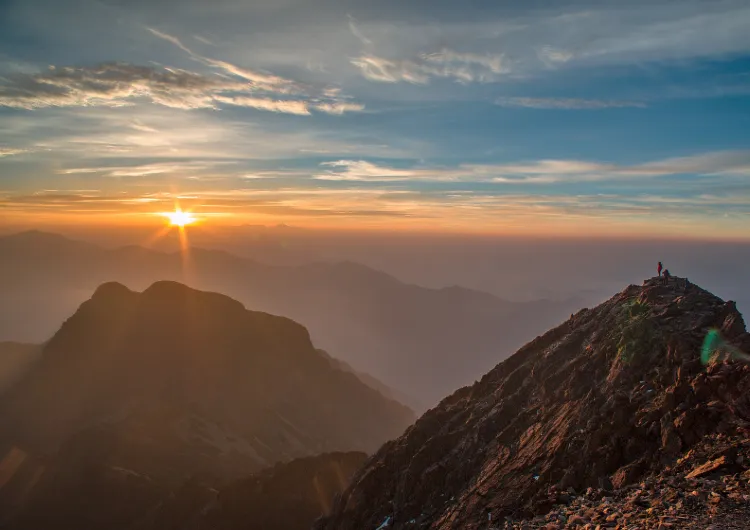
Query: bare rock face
{"type": "Point", "coordinates": [611, 395]}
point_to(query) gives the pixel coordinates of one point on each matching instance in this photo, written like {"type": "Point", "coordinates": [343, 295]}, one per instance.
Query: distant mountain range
{"type": "Point", "coordinates": [422, 342]}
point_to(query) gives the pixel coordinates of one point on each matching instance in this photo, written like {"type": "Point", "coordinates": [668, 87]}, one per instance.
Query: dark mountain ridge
{"type": "Point", "coordinates": [76, 490]}
{"type": "Point", "coordinates": [287, 496]}
{"type": "Point", "coordinates": [186, 381]}
{"type": "Point", "coordinates": [404, 335]}
{"type": "Point", "coordinates": [614, 393]}
{"type": "Point", "coordinates": [16, 358]}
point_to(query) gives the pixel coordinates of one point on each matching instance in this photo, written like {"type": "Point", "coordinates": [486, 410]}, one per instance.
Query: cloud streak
{"type": "Point", "coordinates": [723, 163]}
{"type": "Point", "coordinates": [121, 84]}
{"type": "Point", "coordinates": [4, 151]}
{"type": "Point", "coordinates": [567, 103]}
{"type": "Point", "coordinates": [448, 64]}
{"type": "Point", "coordinates": [361, 170]}
{"type": "Point", "coordinates": [357, 32]}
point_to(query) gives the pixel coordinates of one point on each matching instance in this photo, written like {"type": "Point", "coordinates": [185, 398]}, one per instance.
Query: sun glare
{"type": "Point", "coordinates": [180, 218]}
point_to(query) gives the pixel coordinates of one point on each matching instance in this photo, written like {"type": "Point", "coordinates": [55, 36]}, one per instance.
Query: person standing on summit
{"type": "Point", "coordinates": [659, 268]}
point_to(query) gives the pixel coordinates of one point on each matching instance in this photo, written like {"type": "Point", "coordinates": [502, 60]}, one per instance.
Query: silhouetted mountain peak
{"type": "Point", "coordinates": [111, 290]}
{"type": "Point", "coordinates": [192, 370]}
{"type": "Point", "coordinates": [182, 296]}
{"type": "Point", "coordinates": [611, 394]}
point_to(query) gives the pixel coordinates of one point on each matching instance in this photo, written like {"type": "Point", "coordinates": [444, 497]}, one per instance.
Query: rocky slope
{"type": "Point", "coordinates": [182, 381]}
{"type": "Point", "coordinates": [614, 394]}
{"type": "Point", "coordinates": [708, 488]}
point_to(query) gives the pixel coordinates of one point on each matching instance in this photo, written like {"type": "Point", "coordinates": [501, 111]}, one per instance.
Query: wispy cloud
{"type": "Point", "coordinates": [354, 28]}
{"type": "Point", "coordinates": [5, 151]}
{"type": "Point", "coordinates": [385, 71]}
{"type": "Point", "coordinates": [728, 163]}
{"type": "Point", "coordinates": [328, 100]}
{"type": "Point", "coordinates": [567, 103]}
{"type": "Point", "coordinates": [495, 64]}
{"type": "Point", "coordinates": [170, 38]}
{"type": "Point", "coordinates": [259, 80]}
{"type": "Point", "coordinates": [724, 163]}
{"type": "Point", "coordinates": [204, 40]}
{"type": "Point", "coordinates": [552, 57]}
{"type": "Point", "coordinates": [362, 170]}
{"type": "Point", "coordinates": [184, 169]}
{"type": "Point", "coordinates": [118, 84]}
{"type": "Point", "coordinates": [565, 37]}
{"type": "Point", "coordinates": [122, 84]}
{"type": "Point", "coordinates": [298, 107]}
{"type": "Point", "coordinates": [450, 64]}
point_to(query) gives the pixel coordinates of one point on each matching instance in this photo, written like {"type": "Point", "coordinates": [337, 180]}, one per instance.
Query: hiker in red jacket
{"type": "Point", "coordinates": [658, 268]}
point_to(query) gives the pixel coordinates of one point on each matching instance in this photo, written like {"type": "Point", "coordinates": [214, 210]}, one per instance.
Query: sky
{"type": "Point", "coordinates": [570, 117]}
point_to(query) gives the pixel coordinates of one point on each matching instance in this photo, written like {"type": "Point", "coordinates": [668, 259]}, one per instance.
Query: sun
{"type": "Point", "coordinates": [180, 218]}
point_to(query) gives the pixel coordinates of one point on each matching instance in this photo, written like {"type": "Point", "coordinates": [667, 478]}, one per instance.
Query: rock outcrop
{"type": "Point", "coordinates": [614, 394]}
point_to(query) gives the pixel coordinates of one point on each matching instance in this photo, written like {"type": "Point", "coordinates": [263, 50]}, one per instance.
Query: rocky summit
{"type": "Point", "coordinates": [608, 419]}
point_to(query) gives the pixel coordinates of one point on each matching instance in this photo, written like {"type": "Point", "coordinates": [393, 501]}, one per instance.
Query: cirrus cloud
{"type": "Point", "coordinates": [5, 151]}
{"type": "Point", "coordinates": [567, 103]}
{"type": "Point", "coordinates": [715, 164]}
{"type": "Point", "coordinates": [461, 67]}
{"type": "Point", "coordinates": [118, 84]}
{"type": "Point", "coordinates": [121, 84]}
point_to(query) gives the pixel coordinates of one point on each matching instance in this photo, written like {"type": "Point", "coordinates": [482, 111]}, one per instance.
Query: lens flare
{"type": "Point", "coordinates": [716, 348]}
{"type": "Point", "coordinates": [180, 218]}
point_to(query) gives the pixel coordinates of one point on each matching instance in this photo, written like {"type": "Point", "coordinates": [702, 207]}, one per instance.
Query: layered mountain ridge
{"type": "Point", "coordinates": [404, 335]}
{"type": "Point", "coordinates": [611, 395]}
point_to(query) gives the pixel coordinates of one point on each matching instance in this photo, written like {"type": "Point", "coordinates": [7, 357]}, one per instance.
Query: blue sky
{"type": "Point", "coordinates": [562, 117]}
